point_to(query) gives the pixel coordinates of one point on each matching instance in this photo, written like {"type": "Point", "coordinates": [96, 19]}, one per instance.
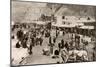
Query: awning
{"type": "Point", "coordinates": [87, 27]}
{"type": "Point", "coordinates": [40, 22]}
{"type": "Point", "coordinates": [67, 26]}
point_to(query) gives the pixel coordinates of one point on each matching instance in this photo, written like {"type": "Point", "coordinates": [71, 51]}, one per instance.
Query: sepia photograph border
{"type": "Point", "coordinates": [41, 2]}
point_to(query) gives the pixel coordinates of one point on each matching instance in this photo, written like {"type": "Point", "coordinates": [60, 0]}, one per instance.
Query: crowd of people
{"type": "Point", "coordinates": [69, 50]}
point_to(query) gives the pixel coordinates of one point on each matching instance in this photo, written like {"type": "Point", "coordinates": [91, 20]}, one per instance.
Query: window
{"type": "Point", "coordinates": [63, 17]}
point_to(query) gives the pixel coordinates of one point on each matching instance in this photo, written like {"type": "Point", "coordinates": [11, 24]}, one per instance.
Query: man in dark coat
{"type": "Point", "coordinates": [62, 43]}
{"type": "Point", "coordinates": [24, 43]}
{"type": "Point", "coordinates": [41, 40]}
{"type": "Point", "coordinates": [50, 40]}
{"type": "Point", "coordinates": [30, 50]}
{"type": "Point", "coordinates": [20, 35]}
{"type": "Point", "coordinates": [66, 46]}
{"type": "Point", "coordinates": [17, 45]}
{"type": "Point", "coordinates": [59, 46]}
{"type": "Point", "coordinates": [54, 39]}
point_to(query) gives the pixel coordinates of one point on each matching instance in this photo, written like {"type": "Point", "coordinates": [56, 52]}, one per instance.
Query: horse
{"type": "Point", "coordinates": [79, 53]}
